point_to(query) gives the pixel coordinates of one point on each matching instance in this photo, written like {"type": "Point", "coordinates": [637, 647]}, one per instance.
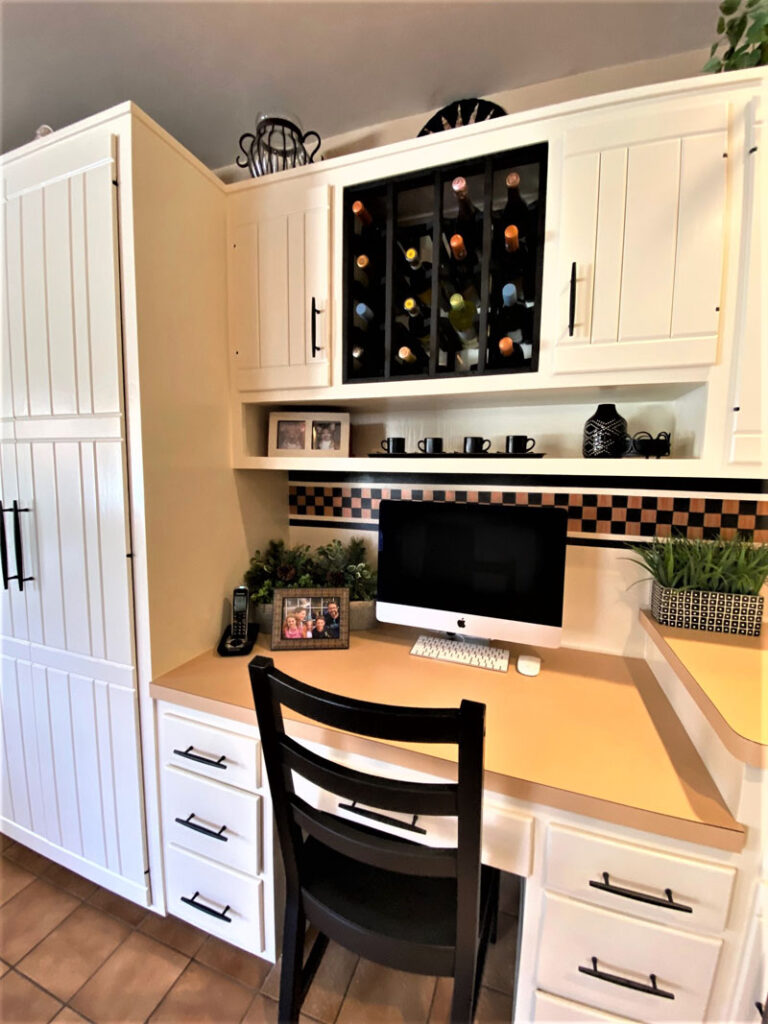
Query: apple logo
{"type": "Point", "coordinates": [462, 623]}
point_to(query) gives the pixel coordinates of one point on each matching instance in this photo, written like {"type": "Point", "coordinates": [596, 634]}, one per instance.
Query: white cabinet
{"type": "Point", "coordinates": [279, 288]}
{"type": "Point", "coordinates": [71, 754]}
{"type": "Point", "coordinates": [642, 237]}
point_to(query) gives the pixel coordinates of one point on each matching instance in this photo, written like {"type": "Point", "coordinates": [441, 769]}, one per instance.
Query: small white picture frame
{"type": "Point", "coordinates": [316, 434]}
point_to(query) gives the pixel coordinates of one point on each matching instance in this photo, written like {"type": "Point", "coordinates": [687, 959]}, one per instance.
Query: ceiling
{"type": "Point", "coordinates": [203, 69]}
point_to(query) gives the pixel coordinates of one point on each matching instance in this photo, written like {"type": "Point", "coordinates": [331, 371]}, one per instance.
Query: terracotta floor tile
{"type": "Point", "coordinates": [113, 904]}
{"type": "Point", "coordinates": [492, 1007]}
{"type": "Point", "coordinates": [264, 1011]}
{"type": "Point", "coordinates": [243, 967]}
{"type": "Point", "coordinates": [328, 987]}
{"type": "Point", "coordinates": [30, 916]}
{"type": "Point", "coordinates": [67, 958]}
{"type": "Point", "coordinates": [128, 987]}
{"type": "Point", "coordinates": [68, 1016]}
{"type": "Point", "coordinates": [4, 967]}
{"type": "Point", "coordinates": [13, 878]}
{"type": "Point", "coordinates": [6, 842]}
{"type": "Point", "coordinates": [69, 880]}
{"type": "Point", "coordinates": [173, 932]}
{"type": "Point", "coordinates": [29, 859]}
{"type": "Point", "coordinates": [499, 970]}
{"type": "Point", "coordinates": [204, 996]}
{"type": "Point", "coordinates": [22, 1002]}
{"type": "Point", "coordinates": [385, 996]}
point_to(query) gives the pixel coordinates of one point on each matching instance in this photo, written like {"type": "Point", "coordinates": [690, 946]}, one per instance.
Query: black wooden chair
{"type": "Point", "coordinates": [429, 910]}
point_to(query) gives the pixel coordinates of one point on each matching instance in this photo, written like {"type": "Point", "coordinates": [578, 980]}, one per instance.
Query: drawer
{"type": "Point", "coordinates": [227, 757]}
{"type": "Point", "coordinates": [576, 859]}
{"type": "Point", "coordinates": [627, 948]}
{"type": "Point", "coordinates": [224, 902]}
{"type": "Point", "coordinates": [218, 822]}
{"type": "Point", "coordinates": [554, 1010]}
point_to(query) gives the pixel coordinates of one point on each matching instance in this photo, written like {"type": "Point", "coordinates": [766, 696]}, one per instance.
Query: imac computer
{"type": "Point", "coordinates": [475, 572]}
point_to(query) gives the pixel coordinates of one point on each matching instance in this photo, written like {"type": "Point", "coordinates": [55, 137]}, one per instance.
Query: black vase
{"type": "Point", "coordinates": [605, 434]}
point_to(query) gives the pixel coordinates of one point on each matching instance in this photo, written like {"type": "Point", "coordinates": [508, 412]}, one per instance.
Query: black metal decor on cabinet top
{"type": "Point", "coordinates": [443, 270]}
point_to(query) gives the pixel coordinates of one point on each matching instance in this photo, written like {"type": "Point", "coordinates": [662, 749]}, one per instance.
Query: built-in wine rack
{"type": "Point", "coordinates": [443, 269]}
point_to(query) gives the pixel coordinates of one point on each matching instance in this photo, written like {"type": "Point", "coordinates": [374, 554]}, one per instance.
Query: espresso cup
{"type": "Point", "coordinates": [431, 445]}
{"type": "Point", "coordinates": [519, 444]}
{"type": "Point", "coordinates": [476, 445]}
{"type": "Point", "coordinates": [394, 445]}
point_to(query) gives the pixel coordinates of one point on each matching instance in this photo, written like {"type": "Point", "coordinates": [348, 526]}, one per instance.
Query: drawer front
{"type": "Point", "coordinates": [218, 822]}
{"type": "Point", "coordinates": [627, 948]}
{"type": "Point", "coordinates": [225, 892]}
{"type": "Point", "coordinates": [224, 756]}
{"type": "Point", "coordinates": [575, 859]}
{"type": "Point", "coordinates": [554, 1010]}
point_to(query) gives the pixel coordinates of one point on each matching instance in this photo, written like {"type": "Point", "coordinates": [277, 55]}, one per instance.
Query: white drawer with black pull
{"type": "Point", "coordinates": [219, 822]}
{"type": "Point", "coordinates": [679, 891]}
{"type": "Point", "coordinates": [550, 1009]}
{"type": "Point", "coordinates": [227, 757]}
{"type": "Point", "coordinates": [215, 898]}
{"type": "Point", "coordinates": [624, 965]}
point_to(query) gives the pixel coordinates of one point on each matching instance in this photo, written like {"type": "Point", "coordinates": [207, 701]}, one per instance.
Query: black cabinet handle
{"type": "Point", "coordinates": [3, 546]}
{"type": "Point", "coordinates": [200, 759]}
{"type": "Point", "coordinates": [616, 979]}
{"type": "Point", "coordinates": [384, 818]}
{"type": "Point", "coordinates": [641, 897]}
{"type": "Point", "coordinates": [19, 577]}
{"type": "Point", "coordinates": [188, 823]}
{"type": "Point", "coordinates": [572, 301]}
{"type": "Point", "coordinates": [220, 915]}
{"type": "Point", "coordinates": [760, 1011]}
{"type": "Point", "coordinates": [315, 313]}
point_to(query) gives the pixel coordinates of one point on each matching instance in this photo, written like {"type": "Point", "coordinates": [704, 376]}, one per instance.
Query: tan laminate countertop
{"type": "Point", "coordinates": [593, 733]}
{"type": "Point", "coordinates": [727, 676]}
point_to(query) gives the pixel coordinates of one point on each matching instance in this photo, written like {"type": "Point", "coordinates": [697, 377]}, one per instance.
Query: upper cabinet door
{"type": "Point", "coordinates": [642, 239]}
{"type": "Point", "coordinates": [279, 284]}
{"type": "Point", "coordinates": [61, 325]}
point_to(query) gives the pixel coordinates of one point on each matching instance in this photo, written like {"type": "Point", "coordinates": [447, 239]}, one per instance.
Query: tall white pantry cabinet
{"type": "Point", "coordinates": [114, 465]}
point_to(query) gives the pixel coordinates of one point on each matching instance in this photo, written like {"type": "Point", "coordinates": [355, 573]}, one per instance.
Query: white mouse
{"type": "Point", "coordinates": [528, 664]}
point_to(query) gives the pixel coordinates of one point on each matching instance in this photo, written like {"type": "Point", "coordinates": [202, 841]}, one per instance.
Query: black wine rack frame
{"type": "Point", "coordinates": [383, 194]}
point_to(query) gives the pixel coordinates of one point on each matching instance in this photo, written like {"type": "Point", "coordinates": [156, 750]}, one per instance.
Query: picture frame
{"type": "Point", "coordinates": [329, 604]}
{"type": "Point", "coordinates": [315, 434]}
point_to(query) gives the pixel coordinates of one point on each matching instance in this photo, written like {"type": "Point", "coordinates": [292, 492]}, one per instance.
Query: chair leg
{"type": "Point", "coordinates": [463, 1002]}
{"type": "Point", "coordinates": [291, 971]}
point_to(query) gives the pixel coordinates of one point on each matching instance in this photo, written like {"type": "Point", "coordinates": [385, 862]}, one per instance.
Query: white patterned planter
{"type": "Point", "coordinates": [707, 610]}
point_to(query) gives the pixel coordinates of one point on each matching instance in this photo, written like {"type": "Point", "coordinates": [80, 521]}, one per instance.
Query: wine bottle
{"type": "Point", "coordinates": [364, 315]}
{"type": "Point", "coordinates": [419, 274]}
{"type": "Point", "coordinates": [462, 316]}
{"type": "Point", "coordinates": [516, 210]}
{"type": "Point", "coordinates": [511, 258]}
{"type": "Point", "coordinates": [509, 318]}
{"type": "Point", "coordinates": [469, 220]}
{"type": "Point", "coordinates": [362, 215]}
{"type": "Point", "coordinates": [362, 270]}
{"type": "Point", "coordinates": [413, 356]}
{"type": "Point", "coordinates": [418, 319]}
{"type": "Point", "coordinates": [511, 351]}
{"type": "Point", "coordinates": [463, 265]}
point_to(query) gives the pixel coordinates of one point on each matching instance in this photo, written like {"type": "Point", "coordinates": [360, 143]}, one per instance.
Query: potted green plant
{"type": "Point", "coordinates": [712, 585]}
{"type": "Point", "coordinates": [331, 565]}
{"type": "Point", "coordinates": [742, 29]}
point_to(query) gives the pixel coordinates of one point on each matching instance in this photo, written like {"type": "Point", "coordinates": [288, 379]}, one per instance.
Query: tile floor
{"type": "Point", "coordinates": [72, 952]}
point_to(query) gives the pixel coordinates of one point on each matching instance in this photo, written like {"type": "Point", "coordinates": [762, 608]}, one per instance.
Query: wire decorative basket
{"type": "Point", "coordinates": [277, 145]}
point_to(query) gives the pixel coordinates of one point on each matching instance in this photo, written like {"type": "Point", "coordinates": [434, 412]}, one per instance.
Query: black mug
{"type": "Point", "coordinates": [431, 445]}
{"type": "Point", "coordinates": [476, 445]}
{"type": "Point", "coordinates": [394, 445]}
{"type": "Point", "coordinates": [519, 444]}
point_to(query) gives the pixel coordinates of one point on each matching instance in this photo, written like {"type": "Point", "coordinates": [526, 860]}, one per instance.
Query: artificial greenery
{"type": "Point", "coordinates": [728, 566]}
{"type": "Point", "coordinates": [332, 565]}
{"type": "Point", "coordinates": [742, 29]}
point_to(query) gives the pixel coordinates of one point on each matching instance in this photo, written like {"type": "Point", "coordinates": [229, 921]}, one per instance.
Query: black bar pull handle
{"type": "Point", "coordinates": [616, 979]}
{"type": "Point", "coordinates": [315, 313]}
{"type": "Point", "coordinates": [200, 759]}
{"type": "Point", "coordinates": [3, 546]}
{"type": "Point", "coordinates": [188, 823]}
{"type": "Point", "coordinates": [19, 577]}
{"type": "Point", "coordinates": [385, 819]}
{"type": "Point", "coordinates": [665, 901]}
{"type": "Point", "coordinates": [572, 301]}
{"type": "Point", "coordinates": [220, 915]}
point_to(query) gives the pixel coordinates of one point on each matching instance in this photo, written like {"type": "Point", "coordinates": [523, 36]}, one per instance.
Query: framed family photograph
{"type": "Point", "coordinates": [310, 619]}
{"type": "Point", "coordinates": [314, 434]}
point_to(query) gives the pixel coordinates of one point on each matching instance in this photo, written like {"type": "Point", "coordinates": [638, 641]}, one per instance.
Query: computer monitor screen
{"type": "Point", "coordinates": [493, 571]}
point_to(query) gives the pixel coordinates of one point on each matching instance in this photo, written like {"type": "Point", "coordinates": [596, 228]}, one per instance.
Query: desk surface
{"type": "Point", "coordinates": [593, 734]}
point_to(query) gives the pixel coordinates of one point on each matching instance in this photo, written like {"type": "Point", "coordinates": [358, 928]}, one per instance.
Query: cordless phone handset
{"type": "Point", "coordinates": [239, 630]}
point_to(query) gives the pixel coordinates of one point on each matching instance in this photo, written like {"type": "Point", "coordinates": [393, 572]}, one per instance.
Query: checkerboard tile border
{"type": "Point", "coordinates": [614, 515]}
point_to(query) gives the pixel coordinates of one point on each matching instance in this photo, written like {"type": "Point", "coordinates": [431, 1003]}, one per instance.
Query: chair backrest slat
{"type": "Point", "coordinates": [433, 798]}
{"type": "Point", "coordinates": [373, 847]}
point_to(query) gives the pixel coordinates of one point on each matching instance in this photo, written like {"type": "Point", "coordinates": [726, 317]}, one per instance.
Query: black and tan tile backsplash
{"type": "Point", "coordinates": [590, 515]}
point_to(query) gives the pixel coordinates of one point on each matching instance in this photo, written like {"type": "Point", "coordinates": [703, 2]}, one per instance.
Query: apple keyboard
{"type": "Point", "coordinates": [462, 653]}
